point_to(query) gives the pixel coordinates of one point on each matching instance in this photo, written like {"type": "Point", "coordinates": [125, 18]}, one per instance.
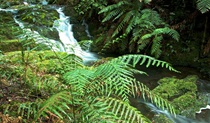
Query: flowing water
{"type": "Point", "coordinates": [154, 74]}
{"type": "Point", "coordinates": [67, 42]}
{"type": "Point", "coordinates": [70, 45]}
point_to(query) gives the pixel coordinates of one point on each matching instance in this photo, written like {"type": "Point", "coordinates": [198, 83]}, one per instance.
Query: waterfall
{"type": "Point", "coordinates": [70, 44]}
{"type": "Point", "coordinates": [67, 41]}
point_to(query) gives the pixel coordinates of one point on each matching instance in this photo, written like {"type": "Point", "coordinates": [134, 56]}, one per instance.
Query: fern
{"type": "Point", "coordinates": [125, 112]}
{"type": "Point", "coordinates": [145, 26]}
{"type": "Point", "coordinates": [203, 5]}
{"type": "Point", "coordinates": [110, 85]}
{"type": "Point", "coordinates": [26, 110]}
{"type": "Point", "coordinates": [56, 104]}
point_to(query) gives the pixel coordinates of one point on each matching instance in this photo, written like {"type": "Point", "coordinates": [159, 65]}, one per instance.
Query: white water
{"type": "Point", "coordinates": [70, 44]}
{"type": "Point", "coordinates": [67, 41]}
{"type": "Point", "coordinates": [87, 29]}
{"type": "Point", "coordinates": [175, 119]}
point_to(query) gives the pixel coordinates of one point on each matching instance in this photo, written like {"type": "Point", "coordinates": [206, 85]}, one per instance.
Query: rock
{"type": "Point", "coordinates": [182, 93]}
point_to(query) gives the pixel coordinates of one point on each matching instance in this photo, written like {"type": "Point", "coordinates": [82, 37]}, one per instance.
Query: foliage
{"type": "Point", "coordinates": [59, 88]}
{"type": "Point", "coordinates": [203, 5]}
{"type": "Point", "coordinates": [142, 27]}
{"type": "Point", "coordinates": [88, 7]}
{"type": "Point", "coordinates": [90, 94]}
{"type": "Point", "coordinates": [182, 93]}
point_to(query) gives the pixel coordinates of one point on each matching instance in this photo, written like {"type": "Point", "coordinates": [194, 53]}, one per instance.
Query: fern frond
{"type": "Point", "coordinates": [151, 16]}
{"type": "Point", "coordinates": [26, 110]}
{"type": "Point", "coordinates": [156, 45]}
{"type": "Point", "coordinates": [96, 111]}
{"type": "Point", "coordinates": [125, 112]}
{"type": "Point", "coordinates": [141, 90]}
{"type": "Point", "coordinates": [57, 104]}
{"type": "Point", "coordinates": [132, 23]}
{"type": "Point", "coordinates": [135, 59]}
{"type": "Point", "coordinates": [115, 77]}
{"type": "Point", "coordinates": [112, 14]}
{"type": "Point", "coordinates": [166, 30]}
{"type": "Point", "coordinates": [74, 62]}
{"type": "Point", "coordinates": [203, 5]}
{"type": "Point", "coordinates": [114, 6]}
{"type": "Point", "coordinates": [121, 25]}
{"type": "Point", "coordinates": [80, 79]}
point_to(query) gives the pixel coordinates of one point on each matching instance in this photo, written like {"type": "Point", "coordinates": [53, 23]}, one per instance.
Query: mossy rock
{"type": "Point", "coordinates": [9, 3]}
{"type": "Point", "coordinates": [38, 15]}
{"type": "Point", "coordinates": [181, 93]}
{"type": "Point", "coordinates": [160, 118]}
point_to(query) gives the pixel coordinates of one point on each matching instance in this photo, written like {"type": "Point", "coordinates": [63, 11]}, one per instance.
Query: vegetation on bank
{"type": "Point", "coordinates": [38, 85]}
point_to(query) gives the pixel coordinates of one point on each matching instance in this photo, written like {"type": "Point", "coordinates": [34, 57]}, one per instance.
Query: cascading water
{"type": "Point", "coordinates": [66, 36]}
{"type": "Point", "coordinates": [87, 29]}
{"type": "Point", "coordinates": [70, 44]}
{"type": "Point", "coordinates": [67, 41]}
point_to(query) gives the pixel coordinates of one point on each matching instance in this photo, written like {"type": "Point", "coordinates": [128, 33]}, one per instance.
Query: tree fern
{"type": "Point", "coordinates": [203, 5]}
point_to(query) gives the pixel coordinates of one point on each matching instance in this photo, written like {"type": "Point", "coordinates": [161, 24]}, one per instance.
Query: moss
{"type": "Point", "coordinates": [166, 91]}
{"type": "Point", "coordinates": [38, 15]}
{"type": "Point", "coordinates": [181, 93]}
{"type": "Point", "coordinates": [160, 118]}
{"type": "Point", "coordinates": [185, 101]}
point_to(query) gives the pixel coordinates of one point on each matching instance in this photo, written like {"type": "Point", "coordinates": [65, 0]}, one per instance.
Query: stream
{"type": "Point", "coordinates": [67, 43]}
{"type": "Point", "coordinates": [155, 74]}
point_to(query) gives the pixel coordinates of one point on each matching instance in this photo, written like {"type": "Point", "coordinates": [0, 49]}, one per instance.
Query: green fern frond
{"type": "Point", "coordinates": [118, 40]}
{"type": "Point", "coordinates": [203, 5]}
{"type": "Point", "coordinates": [114, 6]}
{"type": "Point", "coordinates": [156, 45]}
{"type": "Point", "coordinates": [125, 112]}
{"type": "Point", "coordinates": [96, 111]}
{"type": "Point", "coordinates": [115, 13]}
{"type": "Point", "coordinates": [152, 16]}
{"type": "Point", "coordinates": [74, 62]}
{"type": "Point", "coordinates": [166, 30]}
{"type": "Point", "coordinates": [121, 25]}
{"type": "Point", "coordinates": [26, 110]}
{"type": "Point", "coordinates": [116, 76]}
{"type": "Point", "coordinates": [132, 23]}
{"type": "Point", "coordinates": [142, 59]}
{"type": "Point", "coordinates": [80, 79]}
{"type": "Point", "coordinates": [141, 90]}
{"type": "Point", "coordinates": [57, 104]}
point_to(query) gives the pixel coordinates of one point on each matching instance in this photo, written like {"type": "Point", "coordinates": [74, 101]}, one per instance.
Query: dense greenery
{"type": "Point", "coordinates": [49, 86]}
{"type": "Point", "coordinates": [79, 93]}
